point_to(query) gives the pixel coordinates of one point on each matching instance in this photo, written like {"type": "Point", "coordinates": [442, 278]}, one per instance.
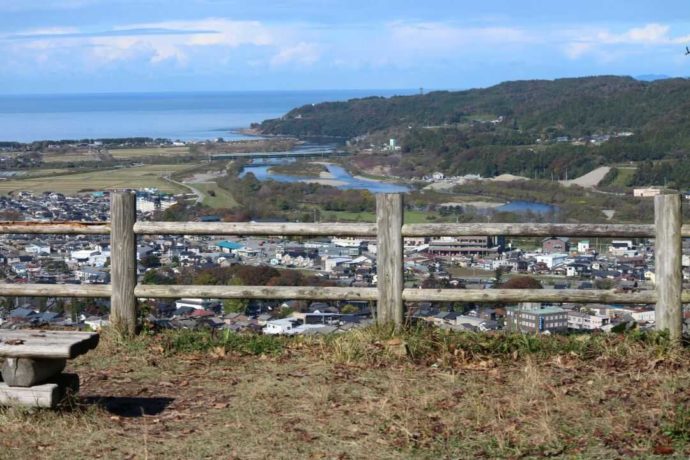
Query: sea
{"type": "Point", "coordinates": [184, 116]}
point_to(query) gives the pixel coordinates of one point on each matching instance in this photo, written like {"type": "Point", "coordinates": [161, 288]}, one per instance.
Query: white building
{"type": "Point", "coordinates": [621, 248]}
{"type": "Point", "coordinates": [37, 249]}
{"type": "Point", "coordinates": [551, 260]}
{"type": "Point", "coordinates": [347, 242]}
{"type": "Point", "coordinates": [583, 321]}
{"type": "Point", "coordinates": [331, 262]}
{"type": "Point", "coordinates": [646, 192]}
{"type": "Point", "coordinates": [583, 246]}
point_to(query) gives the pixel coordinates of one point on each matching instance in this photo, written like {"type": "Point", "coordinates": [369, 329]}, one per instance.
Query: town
{"type": "Point", "coordinates": [445, 262]}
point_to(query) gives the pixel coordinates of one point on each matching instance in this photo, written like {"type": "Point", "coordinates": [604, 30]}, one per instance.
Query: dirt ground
{"type": "Point", "coordinates": [139, 402]}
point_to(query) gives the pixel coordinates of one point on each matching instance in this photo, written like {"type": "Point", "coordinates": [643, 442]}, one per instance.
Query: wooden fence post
{"type": "Point", "coordinates": [668, 254]}
{"type": "Point", "coordinates": [123, 262]}
{"type": "Point", "coordinates": [389, 258]}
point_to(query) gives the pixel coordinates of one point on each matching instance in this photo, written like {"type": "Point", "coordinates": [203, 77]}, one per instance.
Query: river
{"type": "Point", "coordinates": [339, 177]}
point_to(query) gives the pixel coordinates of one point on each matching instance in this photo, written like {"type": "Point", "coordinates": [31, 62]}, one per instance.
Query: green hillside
{"type": "Point", "coordinates": [540, 128]}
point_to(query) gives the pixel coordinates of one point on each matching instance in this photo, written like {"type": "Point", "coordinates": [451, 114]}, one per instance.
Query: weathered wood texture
{"type": "Point", "coordinates": [497, 229]}
{"type": "Point", "coordinates": [27, 372]}
{"type": "Point", "coordinates": [668, 254]}
{"type": "Point", "coordinates": [47, 395]}
{"type": "Point", "coordinates": [123, 266]}
{"type": "Point", "coordinates": [64, 228]}
{"type": "Point", "coordinates": [389, 258]}
{"type": "Point", "coordinates": [248, 228]}
{"type": "Point", "coordinates": [255, 292]}
{"type": "Point", "coordinates": [55, 290]}
{"type": "Point", "coordinates": [528, 295]}
{"type": "Point", "coordinates": [29, 343]}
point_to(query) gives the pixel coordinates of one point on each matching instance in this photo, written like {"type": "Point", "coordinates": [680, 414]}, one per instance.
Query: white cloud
{"type": "Point", "coordinates": [575, 50]}
{"type": "Point", "coordinates": [603, 42]}
{"type": "Point", "coordinates": [301, 53]}
{"type": "Point", "coordinates": [439, 36]}
{"type": "Point", "coordinates": [176, 41]}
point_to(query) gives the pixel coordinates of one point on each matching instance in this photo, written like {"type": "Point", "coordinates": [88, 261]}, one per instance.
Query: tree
{"type": "Point", "coordinates": [235, 305]}
{"type": "Point", "coordinates": [498, 276]}
{"type": "Point", "coordinates": [349, 309]}
{"type": "Point", "coordinates": [522, 282]}
{"type": "Point", "coordinates": [151, 261]}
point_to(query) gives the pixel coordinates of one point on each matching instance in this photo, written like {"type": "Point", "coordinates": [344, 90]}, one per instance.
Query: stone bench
{"type": "Point", "coordinates": [33, 364]}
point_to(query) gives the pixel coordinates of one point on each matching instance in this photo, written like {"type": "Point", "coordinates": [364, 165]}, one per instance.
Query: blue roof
{"type": "Point", "coordinates": [21, 313]}
{"type": "Point", "coordinates": [229, 245]}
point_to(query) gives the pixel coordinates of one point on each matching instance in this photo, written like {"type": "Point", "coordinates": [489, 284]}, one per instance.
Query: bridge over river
{"type": "Point", "coordinates": [306, 153]}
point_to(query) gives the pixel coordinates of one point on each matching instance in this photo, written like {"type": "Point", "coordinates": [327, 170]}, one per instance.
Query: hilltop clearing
{"type": "Point", "coordinates": [360, 395]}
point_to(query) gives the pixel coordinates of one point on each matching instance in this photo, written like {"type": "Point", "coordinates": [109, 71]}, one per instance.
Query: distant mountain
{"type": "Point", "coordinates": [652, 77]}
{"type": "Point", "coordinates": [573, 105]}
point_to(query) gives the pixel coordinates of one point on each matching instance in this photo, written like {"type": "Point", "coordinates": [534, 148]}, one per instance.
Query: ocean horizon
{"type": "Point", "coordinates": [183, 116]}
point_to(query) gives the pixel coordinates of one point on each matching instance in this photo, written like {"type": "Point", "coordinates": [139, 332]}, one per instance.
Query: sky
{"type": "Point", "coordinates": [86, 46]}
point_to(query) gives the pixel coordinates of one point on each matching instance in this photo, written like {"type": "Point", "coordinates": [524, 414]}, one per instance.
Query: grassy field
{"type": "Point", "coordinates": [54, 157]}
{"type": "Point", "coordinates": [411, 217]}
{"type": "Point", "coordinates": [222, 198]}
{"type": "Point", "coordinates": [118, 154]}
{"type": "Point", "coordinates": [134, 177]}
{"type": "Point", "coordinates": [147, 152]}
{"type": "Point", "coordinates": [624, 176]}
{"type": "Point", "coordinates": [353, 396]}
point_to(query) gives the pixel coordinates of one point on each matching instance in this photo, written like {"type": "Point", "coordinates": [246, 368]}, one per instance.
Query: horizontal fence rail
{"type": "Point", "coordinates": [390, 293]}
{"type": "Point", "coordinates": [256, 292]}
{"type": "Point", "coordinates": [529, 295]}
{"type": "Point", "coordinates": [55, 290]}
{"type": "Point", "coordinates": [250, 228]}
{"type": "Point", "coordinates": [56, 228]}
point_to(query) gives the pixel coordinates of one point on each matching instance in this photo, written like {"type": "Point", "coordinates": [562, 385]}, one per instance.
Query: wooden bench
{"type": "Point", "coordinates": [33, 364]}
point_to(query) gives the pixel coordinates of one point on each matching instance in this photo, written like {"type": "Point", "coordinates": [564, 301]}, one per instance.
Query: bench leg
{"type": "Point", "coordinates": [26, 372]}
{"type": "Point", "coordinates": [46, 395]}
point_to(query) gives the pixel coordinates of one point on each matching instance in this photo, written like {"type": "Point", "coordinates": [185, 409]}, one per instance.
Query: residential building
{"type": "Point", "coordinates": [584, 321]}
{"type": "Point", "coordinates": [538, 320]}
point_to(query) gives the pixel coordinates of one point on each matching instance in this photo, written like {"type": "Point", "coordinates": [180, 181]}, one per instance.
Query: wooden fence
{"type": "Point", "coordinates": [390, 232]}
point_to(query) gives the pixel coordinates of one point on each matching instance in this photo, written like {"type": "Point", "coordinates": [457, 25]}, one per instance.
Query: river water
{"type": "Point", "coordinates": [340, 177]}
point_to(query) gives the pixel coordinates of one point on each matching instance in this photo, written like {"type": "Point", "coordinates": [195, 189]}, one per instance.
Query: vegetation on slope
{"type": "Point", "coordinates": [449, 131]}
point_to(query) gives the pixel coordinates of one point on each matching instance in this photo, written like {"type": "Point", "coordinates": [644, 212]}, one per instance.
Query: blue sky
{"type": "Point", "coordinates": [58, 46]}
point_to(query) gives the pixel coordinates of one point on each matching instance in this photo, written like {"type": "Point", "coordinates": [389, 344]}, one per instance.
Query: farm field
{"type": "Point", "coordinates": [58, 157]}
{"type": "Point", "coordinates": [147, 152]}
{"type": "Point", "coordinates": [134, 177]}
{"type": "Point", "coordinates": [118, 154]}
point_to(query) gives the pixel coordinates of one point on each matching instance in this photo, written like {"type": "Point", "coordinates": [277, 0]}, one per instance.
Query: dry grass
{"type": "Point", "coordinates": [358, 396]}
{"type": "Point", "coordinates": [132, 177]}
{"type": "Point", "coordinates": [148, 152]}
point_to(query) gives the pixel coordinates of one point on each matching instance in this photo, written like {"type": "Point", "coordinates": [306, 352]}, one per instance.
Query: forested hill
{"type": "Point", "coordinates": [570, 106]}
{"type": "Point", "coordinates": [540, 129]}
